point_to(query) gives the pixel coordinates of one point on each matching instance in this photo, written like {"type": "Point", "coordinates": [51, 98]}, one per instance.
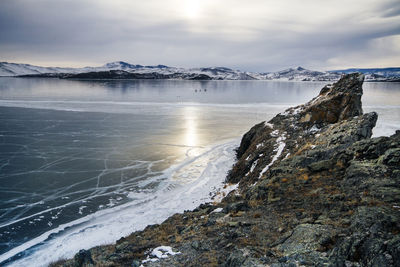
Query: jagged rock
{"type": "Point", "coordinates": [266, 143]}
{"type": "Point", "coordinates": [308, 237]}
{"type": "Point", "coordinates": [334, 103]}
{"type": "Point", "coordinates": [236, 206]}
{"type": "Point", "coordinates": [83, 258]}
{"type": "Point", "coordinates": [136, 263]}
{"type": "Point", "coordinates": [391, 157]}
{"type": "Point", "coordinates": [248, 138]}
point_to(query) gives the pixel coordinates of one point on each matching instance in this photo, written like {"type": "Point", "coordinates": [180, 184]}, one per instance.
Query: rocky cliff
{"type": "Point", "coordinates": [314, 190]}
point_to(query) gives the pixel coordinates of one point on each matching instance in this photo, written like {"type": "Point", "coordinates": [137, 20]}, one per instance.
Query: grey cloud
{"type": "Point", "coordinates": [390, 9]}
{"type": "Point", "coordinates": [82, 31]}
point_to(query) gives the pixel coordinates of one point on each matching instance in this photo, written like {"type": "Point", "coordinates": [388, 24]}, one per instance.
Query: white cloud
{"type": "Point", "coordinates": [379, 52]}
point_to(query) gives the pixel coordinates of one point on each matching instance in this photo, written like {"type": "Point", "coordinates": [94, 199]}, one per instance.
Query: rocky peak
{"type": "Point", "coordinates": [121, 65]}
{"type": "Point", "coordinates": [287, 132]}
{"type": "Point", "coordinates": [336, 102]}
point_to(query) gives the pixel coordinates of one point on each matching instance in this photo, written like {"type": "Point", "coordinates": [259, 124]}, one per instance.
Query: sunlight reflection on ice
{"type": "Point", "coordinates": [190, 117]}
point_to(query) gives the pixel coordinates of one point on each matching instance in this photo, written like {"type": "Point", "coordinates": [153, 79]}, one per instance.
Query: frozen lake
{"type": "Point", "coordinates": [83, 163]}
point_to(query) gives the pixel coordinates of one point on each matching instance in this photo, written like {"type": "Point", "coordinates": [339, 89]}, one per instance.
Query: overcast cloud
{"type": "Point", "coordinates": [254, 35]}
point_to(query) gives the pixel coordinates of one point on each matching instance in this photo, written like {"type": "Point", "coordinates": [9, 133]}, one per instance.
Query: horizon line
{"type": "Point", "coordinates": [121, 61]}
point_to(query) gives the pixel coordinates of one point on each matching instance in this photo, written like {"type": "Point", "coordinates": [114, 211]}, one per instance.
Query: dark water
{"type": "Point", "coordinates": [76, 157]}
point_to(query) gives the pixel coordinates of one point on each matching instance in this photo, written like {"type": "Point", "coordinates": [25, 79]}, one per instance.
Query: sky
{"type": "Point", "coordinates": [251, 35]}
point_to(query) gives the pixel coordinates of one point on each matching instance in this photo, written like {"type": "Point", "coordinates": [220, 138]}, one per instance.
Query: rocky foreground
{"type": "Point", "coordinates": [314, 190]}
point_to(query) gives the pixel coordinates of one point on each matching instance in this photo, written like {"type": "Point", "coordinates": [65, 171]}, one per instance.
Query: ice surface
{"type": "Point", "coordinates": [108, 225]}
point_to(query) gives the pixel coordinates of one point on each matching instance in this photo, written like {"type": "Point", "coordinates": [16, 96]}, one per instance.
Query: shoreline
{"type": "Point", "coordinates": [42, 76]}
{"type": "Point", "coordinates": [183, 201]}
{"type": "Point", "coordinates": [316, 203]}
{"type": "Point", "coordinates": [219, 209]}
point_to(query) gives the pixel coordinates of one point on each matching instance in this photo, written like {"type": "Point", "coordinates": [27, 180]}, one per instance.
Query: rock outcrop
{"type": "Point", "coordinates": [314, 190]}
{"type": "Point", "coordinates": [290, 131]}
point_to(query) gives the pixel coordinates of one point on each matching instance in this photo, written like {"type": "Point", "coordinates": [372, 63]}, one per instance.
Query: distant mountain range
{"type": "Point", "coordinates": [378, 74]}
{"type": "Point", "coordinates": [123, 70]}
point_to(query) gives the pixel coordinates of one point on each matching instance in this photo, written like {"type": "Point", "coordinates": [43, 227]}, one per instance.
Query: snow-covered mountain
{"type": "Point", "coordinates": [15, 69]}
{"type": "Point", "coordinates": [120, 69]}
{"type": "Point", "coordinates": [299, 74]}
{"type": "Point", "coordinates": [376, 74]}
{"type": "Point", "coordinates": [217, 73]}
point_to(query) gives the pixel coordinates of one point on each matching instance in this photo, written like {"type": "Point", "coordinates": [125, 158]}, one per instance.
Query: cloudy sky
{"type": "Point", "coordinates": [254, 35]}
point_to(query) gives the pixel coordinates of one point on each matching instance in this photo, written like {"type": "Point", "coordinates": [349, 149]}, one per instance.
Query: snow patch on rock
{"type": "Point", "coordinates": [279, 149]}
{"type": "Point", "coordinates": [160, 252]}
{"type": "Point", "coordinates": [224, 191]}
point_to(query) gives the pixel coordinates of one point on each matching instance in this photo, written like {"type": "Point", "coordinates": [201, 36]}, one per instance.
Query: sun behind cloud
{"type": "Point", "coordinates": [192, 9]}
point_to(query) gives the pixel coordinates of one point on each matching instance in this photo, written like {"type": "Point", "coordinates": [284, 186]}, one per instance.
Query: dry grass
{"type": "Point", "coordinates": [257, 215]}
{"type": "Point", "coordinates": [306, 147]}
